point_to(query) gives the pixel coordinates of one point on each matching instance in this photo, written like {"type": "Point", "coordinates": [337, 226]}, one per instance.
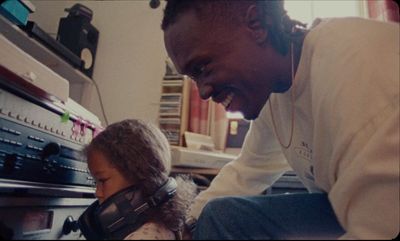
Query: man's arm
{"type": "Point", "coordinates": [366, 194]}
{"type": "Point", "coordinates": [258, 166]}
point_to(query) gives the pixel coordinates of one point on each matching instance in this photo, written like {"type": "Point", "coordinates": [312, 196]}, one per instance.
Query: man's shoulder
{"type": "Point", "coordinates": [348, 24]}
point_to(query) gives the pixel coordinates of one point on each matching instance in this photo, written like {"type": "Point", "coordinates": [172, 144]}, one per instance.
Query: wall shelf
{"type": "Point", "coordinates": [80, 84]}
{"type": "Point", "coordinates": [41, 53]}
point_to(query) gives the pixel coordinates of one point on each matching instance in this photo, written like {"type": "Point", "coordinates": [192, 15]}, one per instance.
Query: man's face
{"type": "Point", "coordinates": [226, 62]}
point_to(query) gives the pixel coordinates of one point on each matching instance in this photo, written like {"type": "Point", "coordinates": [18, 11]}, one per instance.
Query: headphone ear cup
{"type": "Point", "coordinates": [122, 213]}
{"type": "Point", "coordinates": [88, 223]}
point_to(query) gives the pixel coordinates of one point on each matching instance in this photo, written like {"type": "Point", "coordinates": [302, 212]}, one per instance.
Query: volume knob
{"type": "Point", "coordinates": [51, 149]}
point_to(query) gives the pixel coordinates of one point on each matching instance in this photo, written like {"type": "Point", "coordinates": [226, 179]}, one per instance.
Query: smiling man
{"type": "Point", "coordinates": [226, 63]}
{"type": "Point", "coordinates": [323, 100]}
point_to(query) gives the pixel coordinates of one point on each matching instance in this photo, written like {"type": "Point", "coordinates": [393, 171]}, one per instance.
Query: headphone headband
{"type": "Point", "coordinates": [164, 193]}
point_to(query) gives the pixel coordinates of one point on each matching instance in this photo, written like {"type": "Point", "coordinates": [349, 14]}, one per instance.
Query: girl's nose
{"type": "Point", "coordinates": [99, 194]}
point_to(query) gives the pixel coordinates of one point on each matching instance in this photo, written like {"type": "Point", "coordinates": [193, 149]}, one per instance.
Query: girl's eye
{"type": "Point", "coordinates": [101, 181]}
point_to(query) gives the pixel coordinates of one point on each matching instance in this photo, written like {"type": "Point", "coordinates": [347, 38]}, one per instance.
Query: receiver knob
{"type": "Point", "coordinates": [51, 149]}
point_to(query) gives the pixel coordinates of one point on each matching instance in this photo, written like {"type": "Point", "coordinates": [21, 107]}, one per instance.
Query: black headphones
{"type": "Point", "coordinates": [122, 213]}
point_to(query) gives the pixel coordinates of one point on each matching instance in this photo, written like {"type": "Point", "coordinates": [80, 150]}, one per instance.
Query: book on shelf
{"type": "Point", "coordinates": [172, 86]}
{"type": "Point", "coordinates": [170, 109]}
{"type": "Point", "coordinates": [177, 82]}
{"type": "Point", "coordinates": [194, 109]}
{"type": "Point", "coordinates": [173, 77]}
{"type": "Point", "coordinates": [174, 104]}
{"type": "Point", "coordinates": [171, 128]}
{"type": "Point", "coordinates": [171, 98]}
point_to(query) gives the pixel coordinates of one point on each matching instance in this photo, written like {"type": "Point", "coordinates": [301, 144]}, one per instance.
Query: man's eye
{"type": "Point", "coordinates": [198, 70]}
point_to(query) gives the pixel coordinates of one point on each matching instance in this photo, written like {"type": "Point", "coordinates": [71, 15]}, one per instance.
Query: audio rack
{"type": "Point", "coordinates": [39, 145]}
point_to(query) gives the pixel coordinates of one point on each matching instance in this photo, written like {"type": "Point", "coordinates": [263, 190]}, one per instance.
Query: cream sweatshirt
{"type": "Point", "coordinates": [346, 129]}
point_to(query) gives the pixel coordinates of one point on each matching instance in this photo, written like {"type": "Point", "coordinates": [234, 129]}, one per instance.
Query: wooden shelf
{"type": "Point", "coordinates": [201, 171]}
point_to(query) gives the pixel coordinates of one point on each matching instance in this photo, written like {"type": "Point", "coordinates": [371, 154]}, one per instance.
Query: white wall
{"type": "Point", "coordinates": [307, 10]}
{"type": "Point", "coordinates": [130, 59]}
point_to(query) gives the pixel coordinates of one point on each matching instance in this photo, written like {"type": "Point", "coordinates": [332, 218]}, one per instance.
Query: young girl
{"type": "Point", "coordinates": [134, 155]}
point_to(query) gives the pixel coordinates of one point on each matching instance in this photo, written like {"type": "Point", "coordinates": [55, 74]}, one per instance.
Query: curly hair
{"type": "Point", "coordinates": [281, 30]}
{"type": "Point", "coordinates": [141, 153]}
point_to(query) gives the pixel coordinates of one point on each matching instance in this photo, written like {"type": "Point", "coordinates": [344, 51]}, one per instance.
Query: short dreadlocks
{"type": "Point", "coordinates": [280, 32]}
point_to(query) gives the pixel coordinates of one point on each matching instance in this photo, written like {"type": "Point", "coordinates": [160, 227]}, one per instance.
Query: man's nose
{"type": "Point", "coordinates": [205, 91]}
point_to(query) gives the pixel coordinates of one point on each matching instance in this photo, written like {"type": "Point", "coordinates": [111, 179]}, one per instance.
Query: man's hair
{"type": "Point", "coordinates": [141, 153]}
{"type": "Point", "coordinates": [279, 33]}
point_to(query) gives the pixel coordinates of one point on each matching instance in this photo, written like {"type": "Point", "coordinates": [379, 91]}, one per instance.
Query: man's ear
{"type": "Point", "coordinates": [255, 25]}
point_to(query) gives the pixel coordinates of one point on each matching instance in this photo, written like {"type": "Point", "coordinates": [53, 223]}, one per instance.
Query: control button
{"type": "Point", "coordinates": [3, 111]}
{"type": "Point", "coordinates": [17, 133]}
{"type": "Point", "coordinates": [27, 120]}
{"type": "Point", "coordinates": [38, 139]}
{"type": "Point", "coordinates": [34, 147]}
{"type": "Point", "coordinates": [12, 114]}
{"type": "Point", "coordinates": [19, 117]}
{"type": "Point", "coordinates": [11, 131]}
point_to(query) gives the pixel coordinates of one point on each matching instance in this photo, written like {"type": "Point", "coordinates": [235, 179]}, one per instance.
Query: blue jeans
{"type": "Point", "coordinates": [280, 216]}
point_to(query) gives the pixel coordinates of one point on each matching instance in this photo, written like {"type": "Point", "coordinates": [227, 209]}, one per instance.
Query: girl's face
{"type": "Point", "coordinates": [108, 179]}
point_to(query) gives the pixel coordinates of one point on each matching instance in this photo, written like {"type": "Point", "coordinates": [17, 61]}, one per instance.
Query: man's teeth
{"type": "Point", "coordinates": [228, 100]}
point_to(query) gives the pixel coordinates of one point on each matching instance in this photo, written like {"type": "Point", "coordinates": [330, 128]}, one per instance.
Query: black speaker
{"type": "Point", "coordinates": [77, 34]}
